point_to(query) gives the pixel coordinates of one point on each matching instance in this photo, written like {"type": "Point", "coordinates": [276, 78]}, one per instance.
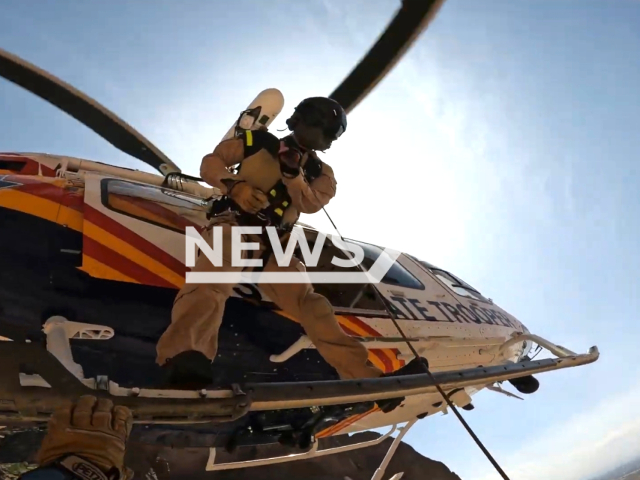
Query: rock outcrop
{"type": "Point", "coordinates": [174, 464]}
{"type": "Point", "coordinates": [355, 465]}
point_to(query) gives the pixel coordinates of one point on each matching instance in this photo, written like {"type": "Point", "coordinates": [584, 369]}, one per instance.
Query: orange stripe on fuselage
{"type": "Point", "coordinates": [368, 330]}
{"type": "Point", "coordinates": [44, 198]}
{"type": "Point", "coordinates": [14, 199]}
{"type": "Point", "coordinates": [375, 356]}
{"type": "Point", "coordinates": [98, 269]}
{"type": "Point", "coordinates": [119, 231]}
{"type": "Point", "coordinates": [391, 354]}
{"type": "Point", "coordinates": [125, 249]}
{"type": "Point", "coordinates": [71, 218]}
{"type": "Point", "coordinates": [122, 264]}
{"type": "Point", "coordinates": [383, 358]}
{"type": "Point", "coordinates": [327, 432]}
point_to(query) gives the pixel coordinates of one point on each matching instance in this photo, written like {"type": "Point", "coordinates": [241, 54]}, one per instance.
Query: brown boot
{"type": "Point", "coordinates": [527, 384]}
{"type": "Point", "coordinates": [414, 367]}
{"type": "Point", "coordinates": [187, 371]}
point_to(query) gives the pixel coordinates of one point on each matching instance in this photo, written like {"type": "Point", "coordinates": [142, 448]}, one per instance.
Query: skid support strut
{"type": "Point", "coordinates": [59, 331]}
{"type": "Point", "coordinates": [392, 450]}
{"type": "Point", "coordinates": [313, 452]}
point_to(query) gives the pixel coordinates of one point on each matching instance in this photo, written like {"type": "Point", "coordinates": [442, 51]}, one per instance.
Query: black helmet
{"type": "Point", "coordinates": [318, 121]}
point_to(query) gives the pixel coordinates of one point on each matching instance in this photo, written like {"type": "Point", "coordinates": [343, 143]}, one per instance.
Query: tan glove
{"type": "Point", "coordinates": [248, 198]}
{"type": "Point", "coordinates": [93, 430]}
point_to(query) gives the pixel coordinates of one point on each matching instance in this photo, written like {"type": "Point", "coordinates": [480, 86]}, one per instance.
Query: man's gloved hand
{"type": "Point", "coordinates": [248, 198]}
{"type": "Point", "coordinates": [93, 430]}
{"type": "Point", "coordinates": [289, 158]}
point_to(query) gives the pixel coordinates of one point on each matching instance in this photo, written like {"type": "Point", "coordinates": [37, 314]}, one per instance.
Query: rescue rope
{"type": "Point", "coordinates": [394, 319]}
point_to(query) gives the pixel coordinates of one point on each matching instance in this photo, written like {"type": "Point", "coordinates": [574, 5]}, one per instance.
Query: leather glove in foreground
{"type": "Point", "coordinates": [93, 430]}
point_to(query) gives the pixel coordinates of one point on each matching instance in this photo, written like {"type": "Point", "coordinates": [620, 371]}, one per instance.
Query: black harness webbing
{"type": "Point", "coordinates": [279, 202]}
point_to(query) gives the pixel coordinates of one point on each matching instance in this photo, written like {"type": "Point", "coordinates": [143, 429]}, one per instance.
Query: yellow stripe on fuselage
{"type": "Point", "coordinates": [123, 248]}
{"type": "Point", "coordinates": [99, 270]}
{"type": "Point", "coordinates": [29, 204]}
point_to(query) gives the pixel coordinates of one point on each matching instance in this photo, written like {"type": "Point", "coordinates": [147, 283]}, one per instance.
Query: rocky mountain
{"type": "Point", "coordinates": [168, 464]}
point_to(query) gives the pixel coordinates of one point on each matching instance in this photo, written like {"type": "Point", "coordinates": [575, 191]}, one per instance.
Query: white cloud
{"type": "Point", "coordinates": [589, 443]}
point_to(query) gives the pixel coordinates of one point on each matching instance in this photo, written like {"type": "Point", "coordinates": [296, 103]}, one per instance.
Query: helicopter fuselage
{"type": "Point", "coordinates": [104, 245]}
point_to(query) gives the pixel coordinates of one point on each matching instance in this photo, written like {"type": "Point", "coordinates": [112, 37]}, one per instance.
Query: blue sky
{"type": "Point", "coordinates": [504, 147]}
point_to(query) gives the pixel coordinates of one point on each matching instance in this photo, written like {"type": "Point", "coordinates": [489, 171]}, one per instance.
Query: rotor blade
{"type": "Point", "coordinates": [83, 108]}
{"type": "Point", "coordinates": [410, 21]}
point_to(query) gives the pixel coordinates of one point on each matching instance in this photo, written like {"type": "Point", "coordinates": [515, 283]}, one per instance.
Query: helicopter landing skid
{"type": "Point", "coordinates": [35, 381]}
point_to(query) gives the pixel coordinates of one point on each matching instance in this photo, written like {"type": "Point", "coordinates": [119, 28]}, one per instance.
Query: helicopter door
{"type": "Point", "coordinates": [417, 300]}
{"type": "Point", "coordinates": [134, 232]}
{"type": "Point", "coordinates": [405, 284]}
{"type": "Point", "coordinates": [408, 291]}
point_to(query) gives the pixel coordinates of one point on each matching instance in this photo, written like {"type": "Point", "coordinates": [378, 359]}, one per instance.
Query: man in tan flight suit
{"type": "Point", "coordinates": [277, 180]}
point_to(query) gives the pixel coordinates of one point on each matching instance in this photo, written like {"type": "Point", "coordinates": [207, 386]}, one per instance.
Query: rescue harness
{"type": "Point", "coordinates": [278, 196]}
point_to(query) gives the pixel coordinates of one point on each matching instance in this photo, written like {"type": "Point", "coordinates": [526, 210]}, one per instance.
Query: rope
{"type": "Point", "coordinates": [394, 319]}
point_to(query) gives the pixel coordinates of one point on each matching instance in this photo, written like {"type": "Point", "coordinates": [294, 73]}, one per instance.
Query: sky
{"type": "Point", "coordinates": [504, 148]}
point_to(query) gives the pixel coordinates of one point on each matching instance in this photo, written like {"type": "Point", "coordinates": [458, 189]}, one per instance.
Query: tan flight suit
{"type": "Point", "coordinates": [198, 308]}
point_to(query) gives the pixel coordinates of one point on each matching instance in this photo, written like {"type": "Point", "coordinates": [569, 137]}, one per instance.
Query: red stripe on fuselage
{"type": "Point", "coordinates": [114, 260]}
{"type": "Point", "coordinates": [379, 353]}
{"type": "Point", "coordinates": [112, 226]}
{"type": "Point", "coordinates": [364, 325]}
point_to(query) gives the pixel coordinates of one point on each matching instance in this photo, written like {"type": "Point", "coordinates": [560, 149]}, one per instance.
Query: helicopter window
{"type": "Point", "coordinates": [156, 205]}
{"type": "Point", "coordinates": [397, 274]}
{"type": "Point", "coordinates": [455, 284]}
{"type": "Point", "coordinates": [351, 295]}
{"type": "Point", "coordinates": [14, 166]}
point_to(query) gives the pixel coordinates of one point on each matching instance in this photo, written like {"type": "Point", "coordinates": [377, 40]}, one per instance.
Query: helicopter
{"type": "Point", "coordinates": [93, 255]}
